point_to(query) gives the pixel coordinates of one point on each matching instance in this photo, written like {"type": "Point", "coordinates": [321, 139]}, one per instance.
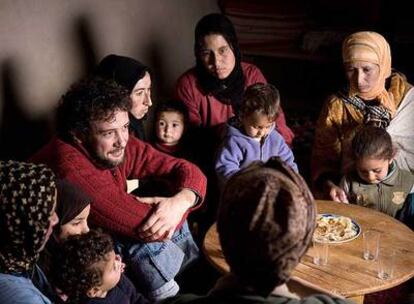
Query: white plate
{"type": "Point", "coordinates": [355, 227]}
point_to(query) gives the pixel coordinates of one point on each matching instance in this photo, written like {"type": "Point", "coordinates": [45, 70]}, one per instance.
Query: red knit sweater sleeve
{"type": "Point", "coordinates": [113, 208]}
{"type": "Point", "coordinates": [145, 161]}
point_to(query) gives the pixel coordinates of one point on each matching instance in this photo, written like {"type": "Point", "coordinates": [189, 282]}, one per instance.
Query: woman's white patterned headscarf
{"type": "Point", "coordinates": [27, 197]}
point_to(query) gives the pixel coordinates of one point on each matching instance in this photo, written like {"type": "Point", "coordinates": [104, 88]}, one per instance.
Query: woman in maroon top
{"type": "Point", "coordinates": [212, 90]}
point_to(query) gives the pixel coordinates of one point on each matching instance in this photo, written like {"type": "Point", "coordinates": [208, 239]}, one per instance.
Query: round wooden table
{"type": "Point", "coordinates": [347, 273]}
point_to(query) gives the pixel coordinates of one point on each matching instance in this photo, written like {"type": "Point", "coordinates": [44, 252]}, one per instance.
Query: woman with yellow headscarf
{"type": "Point", "coordinates": [375, 95]}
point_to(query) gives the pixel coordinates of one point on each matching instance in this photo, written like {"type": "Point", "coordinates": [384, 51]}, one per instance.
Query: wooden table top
{"type": "Point", "coordinates": [347, 273]}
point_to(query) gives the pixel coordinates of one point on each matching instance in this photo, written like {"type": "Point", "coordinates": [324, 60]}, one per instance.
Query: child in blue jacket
{"type": "Point", "coordinates": [251, 135]}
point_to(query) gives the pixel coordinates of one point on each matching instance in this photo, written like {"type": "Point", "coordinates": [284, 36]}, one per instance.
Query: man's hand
{"type": "Point", "coordinates": [167, 214]}
{"type": "Point", "coordinates": [337, 194]}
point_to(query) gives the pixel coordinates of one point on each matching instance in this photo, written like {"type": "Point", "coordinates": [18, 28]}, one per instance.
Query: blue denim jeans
{"type": "Point", "coordinates": [154, 265]}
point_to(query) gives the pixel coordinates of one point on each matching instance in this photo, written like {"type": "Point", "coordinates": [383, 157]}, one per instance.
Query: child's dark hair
{"type": "Point", "coordinates": [75, 268]}
{"type": "Point", "coordinates": [261, 98]}
{"type": "Point", "coordinates": [372, 142]}
{"type": "Point", "coordinates": [173, 105]}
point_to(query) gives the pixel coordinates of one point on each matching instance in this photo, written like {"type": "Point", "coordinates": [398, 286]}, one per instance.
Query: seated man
{"type": "Point", "coordinates": [265, 222]}
{"type": "Point", "coordinates": [93, 150]}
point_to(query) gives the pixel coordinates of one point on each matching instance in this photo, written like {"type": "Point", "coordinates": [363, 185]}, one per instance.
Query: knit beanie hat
{"type": "Point", "coordinates": [27, 197]}
{"type": "Point", "coordinates": [125, 71]}
{"type": "Point", "coordinates": [265, 222]}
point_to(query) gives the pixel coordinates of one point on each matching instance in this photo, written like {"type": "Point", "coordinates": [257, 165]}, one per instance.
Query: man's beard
{"type": "Point", "coordinates": [109, 164]}
{"type": "Point", "coordinates": [104, 162]}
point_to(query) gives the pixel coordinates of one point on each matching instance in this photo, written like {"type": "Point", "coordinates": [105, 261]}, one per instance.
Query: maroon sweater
{"type": "Point", "coordinates": [207, 111]}
{"type": "Point", "coordinates": [112, 207]}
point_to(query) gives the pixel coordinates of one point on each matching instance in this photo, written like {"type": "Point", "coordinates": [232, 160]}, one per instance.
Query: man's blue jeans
{"type": "Point", "coordinates": [154, 265]}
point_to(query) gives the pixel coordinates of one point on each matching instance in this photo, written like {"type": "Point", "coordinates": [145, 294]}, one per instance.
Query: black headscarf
{"type": "Point", "coordinates": [126, 72]}
{"type": "Point", "coordinates": [265, 222]}
{"type": "Point", "coordinates": [229, 90]}
{"type": "Point", "coordinates": [71, 201]}
{"type": "Point", "coordinates": [27, 197]}
{"type": "Point", "coordinates": [123, 70]}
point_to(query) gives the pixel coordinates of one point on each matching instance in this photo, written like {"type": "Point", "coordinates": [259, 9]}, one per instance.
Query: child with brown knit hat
{"type": "Point", "coordinates": [265, 222]}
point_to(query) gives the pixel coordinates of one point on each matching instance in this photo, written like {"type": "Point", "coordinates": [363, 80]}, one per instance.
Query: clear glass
{"type": "Point", "coordinates": [371, 239]}
{"type": "Point", "coordinates": [386, 261]}
{"type": "Point", "coordinates": [321, 253]}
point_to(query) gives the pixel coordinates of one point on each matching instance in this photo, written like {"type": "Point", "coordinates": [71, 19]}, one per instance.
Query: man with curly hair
{"type": "Point", "coordinates": [87, 270]}
{"type": "Point", "coordinates": [94, 151]}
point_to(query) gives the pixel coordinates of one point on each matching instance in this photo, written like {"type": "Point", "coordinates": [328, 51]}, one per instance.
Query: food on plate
{"type": "Point", "coordinates": [334, 228]}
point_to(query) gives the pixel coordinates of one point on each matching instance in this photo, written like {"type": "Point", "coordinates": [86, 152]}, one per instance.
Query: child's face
{"type": "Point", "coordinates": [169, 127]}
{"type": "Point", "coordinates": [112, 268]}
{"type": "Point", "coordinates": [256, 125]}
{"type": "Point", "coordinates": [372, 170]}
{"type": "Point", "coordinates": [77, 225]}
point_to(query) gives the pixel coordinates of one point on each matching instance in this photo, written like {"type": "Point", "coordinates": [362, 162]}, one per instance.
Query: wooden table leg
{"type": "Point", "coordinates": [357, 299]}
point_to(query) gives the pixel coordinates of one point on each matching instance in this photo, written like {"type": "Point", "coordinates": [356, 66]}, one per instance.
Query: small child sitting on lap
{"type": "Point", "coordinates": [171, 120]}
{"type": "Point", "coordinates": [377, 182]}
{"type": "Point", "coordinates": [252, 135]}
{"type": "Point", "coordinates": [87, 270]}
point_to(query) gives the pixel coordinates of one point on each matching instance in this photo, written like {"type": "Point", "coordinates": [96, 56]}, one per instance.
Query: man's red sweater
{"type": "Point", "coordinates": [113, 208]}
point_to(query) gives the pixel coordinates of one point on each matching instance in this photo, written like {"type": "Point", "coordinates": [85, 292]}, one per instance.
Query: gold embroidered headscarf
{"type": "Point", "coordinates": [373, 48]}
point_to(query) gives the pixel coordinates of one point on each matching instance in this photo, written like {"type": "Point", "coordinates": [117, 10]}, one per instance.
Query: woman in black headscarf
{"type": "Point", "coordinates": [213, 89]}
{"type": "Point", "coordinates": [212, 92]}
{"type": "Point", "coordinates": [27, 217]}
{"type": "Point", "coordinates": [73, 207]}
{"type": "Point", "coordinates": [136, 77]}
